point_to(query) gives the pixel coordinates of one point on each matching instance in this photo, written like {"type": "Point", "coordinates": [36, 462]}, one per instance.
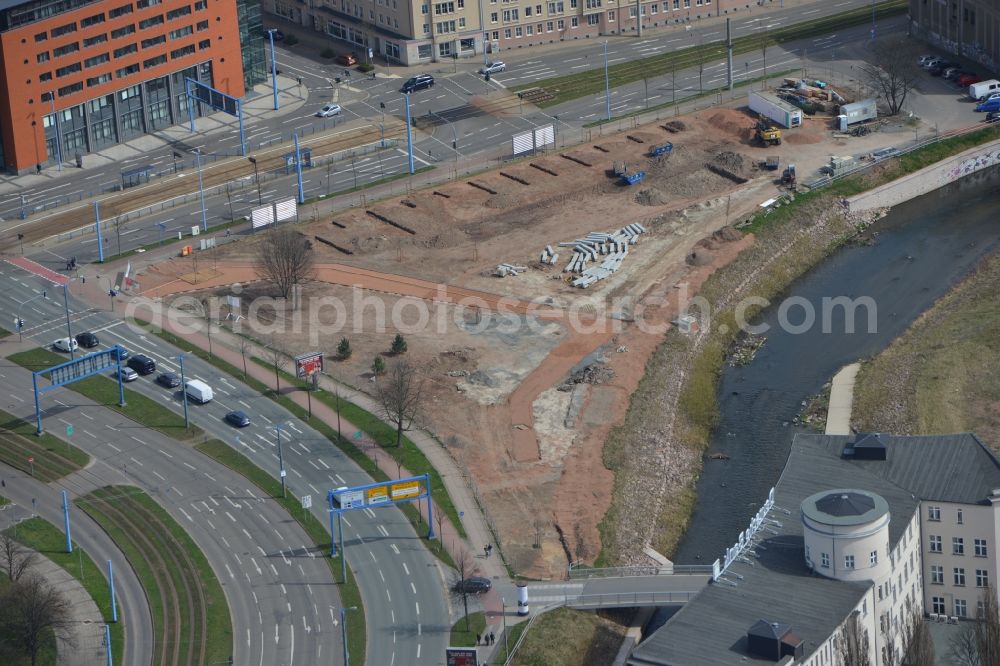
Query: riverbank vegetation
{"type": "Point", "coordinates": [565, 636]}
{"type": "Point", "coordinates": [656, 453]}
{"type": "Point", "coordinates": [943, 374]}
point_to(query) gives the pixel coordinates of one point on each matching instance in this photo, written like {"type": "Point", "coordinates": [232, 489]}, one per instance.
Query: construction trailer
{"type": "Point", "coordinates": [776, 109]}
{"type": "Point", "coordinates": [858, 112]}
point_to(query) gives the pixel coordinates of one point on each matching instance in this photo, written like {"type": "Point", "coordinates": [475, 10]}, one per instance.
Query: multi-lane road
{"type": "Point", "coordinates": [403, 588]}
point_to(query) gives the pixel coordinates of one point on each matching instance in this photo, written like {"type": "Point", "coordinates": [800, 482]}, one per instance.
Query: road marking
{"type": "Point", "coordinates": [230, 516]}
{"type": "Point", "coordinates": [186, 515]}
{"type": "Point", "coordinates": [136, 462]}
{"type": "Point", "coordinates": [210, 477]}
{"type": "Point", "coordinates": [413, 587]}
{"type": "Point", "coordinates": [165, 453]}
{"type": "Point", "coordinates": [320, 461]}
{"type": "Point", "coordinates": [226, 564]}
{"type": "Point", "coordinates": [384, 531]}
{"type": "Point", "coordinates": [159, 476]}
{"type": "Point", "coordinates": [114, 447]}
{"type": "Point", "coordinates": [395, 548]}
{"type": "Point", "coordinates": [406, 569]}
{"type": "Point", "coordinates": [417, 605]}
{"type": "Point", "coordinates": [189, 465]}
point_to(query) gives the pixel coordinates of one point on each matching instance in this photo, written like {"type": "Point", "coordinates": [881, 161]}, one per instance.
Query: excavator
{"type": "Point", "coordinates": [768, 135]}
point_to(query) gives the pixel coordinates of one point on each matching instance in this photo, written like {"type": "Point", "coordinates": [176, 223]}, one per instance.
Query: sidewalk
{"type": "Point", "coordinates": [81, 642]}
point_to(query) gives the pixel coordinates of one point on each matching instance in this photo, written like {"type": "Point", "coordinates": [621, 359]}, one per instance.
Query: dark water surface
{"type": "Point", "coordinates": [921, 249]}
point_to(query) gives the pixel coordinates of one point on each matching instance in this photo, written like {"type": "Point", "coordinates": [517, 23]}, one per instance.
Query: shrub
{"type": "Point", "coordinates": [378, 366]}
{"type": "Point", "coordinates": [398, 345]}
{"type": "Point", "coordinates": [365, 67]}
{"type": "Point", "coordinates": [344, 348]}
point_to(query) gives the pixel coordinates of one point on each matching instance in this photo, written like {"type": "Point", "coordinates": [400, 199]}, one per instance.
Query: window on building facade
{"type": "Point", "coordinates": [981, 550]}
{"type": "Point", "coordinates": [70, 89]}
{"type": "Point", "coordinates": [494, 17]}
{"type": "Point", "coordinates": [937, 574]}
{"type": "Point", "coordinates": [96, 39]}
{"type": "Point", "coordinates": [873, 558]}
{"type": "Point", "coordinates": [960, 608]}
{"type": "Point", "coordinates": [561, 24]}
{"type": "Point", "coordinates": [42, 57]}
{"type": "Point", "coordinates": [125, 50]}
{"type": "Point", "coordinates": [959, 573]}
{"type": "Point", "coordinates": [179, 12]}
{"type": "Point", "coordinates": [824, 560]}
{"type": "Point", "coordinates": [125, 30]}
{"type": "Point", "coordinates": [593, 19]}
{"type": "Point", "coordinates": [982, 577]}
{"type": "Point", "coordinates": [92, 20]}
{"type": "Point", "coordinates": [63, 50]}
{"type": "Point", "coordinates": [120, 11]}
{"type": "Point", "coordinates": [937, 605]}
{"type": "Point", "coordinates": [934, 513]}
{"type": "Point", "coordinates": [611, 16]}
{"type": "Point", "coordinates": [153, 41]}
{"type": "Point", "coordinates": [574, 22]}
{"type": "Point", "coordinates": [126, 71]}
{"type": "Point", "coordinates": [848, 561]}
{"type": "Point", "coordinates": [98, 80]}
{"type": "Point", "coordinates": [150, 22]}
{"type": "Point", "coordinates": [41, 37]}
{"type": "Point", "coordinates": [935, 543]}
{"type": "Point", "coordinates": [63, 29]}
{"type": "Point", "coordinates": [45, 76]}
{"type": "Point", "coordinates": [959, 516]}
{"type": "Point", "coordinates": [97, 60]}
{"type": "Point", "coordinates": [957, 546]}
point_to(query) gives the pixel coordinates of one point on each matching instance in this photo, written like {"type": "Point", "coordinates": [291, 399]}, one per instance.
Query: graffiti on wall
{"type": "Point", "coordinates": [972, 164]}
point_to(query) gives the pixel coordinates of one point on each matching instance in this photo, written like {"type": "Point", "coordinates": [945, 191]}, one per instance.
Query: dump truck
{"type": "Point", "coordinates": [768, 135]}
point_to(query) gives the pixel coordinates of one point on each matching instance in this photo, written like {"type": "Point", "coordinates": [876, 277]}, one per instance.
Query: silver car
{"type": "Point", "coordinates": [329, 110]}
{"type": "Point", "coordinates": [493, 68]}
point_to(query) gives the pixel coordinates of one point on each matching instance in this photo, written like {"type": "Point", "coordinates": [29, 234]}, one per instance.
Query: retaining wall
{"type": "Point", "coordinates": [928, 179]}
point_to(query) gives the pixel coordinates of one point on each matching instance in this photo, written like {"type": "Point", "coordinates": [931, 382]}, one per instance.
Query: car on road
{"type": "Point", "coordinates": [128, 374]}
{"type": "Point", "coordinates": [328, 110]}
{"type": "Point", "coordinates": [473, 585]}
{"type": "Point", "coordinates": [347, 59]}
{"type": "Point", "coordinates": [493, 68]}
{"type": "Point", "coordinates": [992, 117]}
{"type": "Point", "coordinates": [925, 59]}
{"type": "Point", "coordinates": [278, 35]}
{"type": "Point", "coordinates": [122, 352]}
{"type": "Point", "coordinates": [65, 344]}
{"type": "Point", "coordinates": [87, 340]}
{"type": "Point", "coordinates": [418, 82]}
{"type": "Point", "coordinates": [142, 364]}
{"type": "Point", "coordinates": [238, 418]}
{"type": "Point", "coordinates": [168, 380]}
{"type": "Point", "coordinates": [933, 62]}
{"type": "Point", "coordinates": [941, 67]}
{"type": "Point", "coordinates": [967, 80]}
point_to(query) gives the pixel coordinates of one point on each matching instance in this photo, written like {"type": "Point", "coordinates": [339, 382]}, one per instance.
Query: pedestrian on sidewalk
{"type": "Point", "coordinates": [486, 550]}
{"type": "Point", "coordinates": [478, 638]}
{"type": "Point", "coordinates": [493, 638]}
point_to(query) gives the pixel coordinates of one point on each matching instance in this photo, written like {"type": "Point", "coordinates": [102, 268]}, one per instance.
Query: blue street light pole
{"type": "Point", "coordinates": [52, 98]}
{"type": "Point", "coordinates": [409, 132]}
{"type": "Point", "coordinates": [607, 83]}
{"type": "Point", "coordinates": [184, 395]}
{"type": "Point", "coordinates": [97, 228]}
{"type": "Point", "coordinates": [298, 169]}
{"type": "Point", "coordinates": [111, 583]}
{"type": "Point", "coordinates": [343, 631]}
{"type": "Point", "coordinates": [69, 330]}
{"type": "Point", "coordinates": [281, 462]}
{"type": "Point", "coordinates": [274, 68]}
{"type": "Point", "coordinates": [107, 643]}
{"type": "Point", "coordinates": [873, 19]}
{"type": "Point", "coordinates": [69, 536]}
{"type": "Point", "coordinates": [201, 191]}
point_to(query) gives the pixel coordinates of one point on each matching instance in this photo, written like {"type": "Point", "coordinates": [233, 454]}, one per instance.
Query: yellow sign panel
{"type": "Point", "coordinates": [404, 490]}
{"type": "Point", "coordinates": [378, 494]}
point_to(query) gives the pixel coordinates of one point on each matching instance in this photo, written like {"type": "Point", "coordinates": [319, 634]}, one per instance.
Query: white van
{"type": "Point", "coordinates": [198, 391]}
{"type": "Point", "coordinates": [980, 91]}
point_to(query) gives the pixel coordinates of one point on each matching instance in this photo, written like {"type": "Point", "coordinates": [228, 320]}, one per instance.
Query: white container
{"type": "Point", "coordinates": [771, 106]}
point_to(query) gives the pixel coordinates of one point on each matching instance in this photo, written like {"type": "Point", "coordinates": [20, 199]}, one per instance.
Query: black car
{"type": "Point", "coordinates": [940, 68]}
{"type": "Point", "coordinates": [992, 117]}
{"type": "Point", "coordinates": [238, 419]}
{"type": "Point", "coordinates": [87, 340]}
{"type": "Point", "coordinates": [168, 380]}
{"type": "Point", "coordinates": [142, 364]}
{"type": "Point", "coordinates": [418, 82]}
{"type": "Point", "coordinates": [474, 585]}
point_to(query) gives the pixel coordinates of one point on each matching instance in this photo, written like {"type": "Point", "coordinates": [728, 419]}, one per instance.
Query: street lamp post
{"type": "Point", "coordinates": [52, 98]}
{"type": "Point", "coordinates": [184, 395]}
{"type": "Point", "coordinates": [20, 323]}
{"type": "Point", "coordinates": [607, 83]}
{"type": "Point", "coordinates": [281, 462]}
{"type": "Point", "coordinates": [201, 191]}
{"type": "Point", "coordinates": [343, 631]}
{"type": "Point", "coordinates": [256, 177]}
{"type": "Point", "coordinates": [274, 69]}
{"type": "Point", "coordinates": [409, 132]}
{"type": "Point", "coordinates": [506, 646]}
{"type": "Point", "coordinates": [873, 19]}
{"type": "Point", "coordinates": [69, 330]}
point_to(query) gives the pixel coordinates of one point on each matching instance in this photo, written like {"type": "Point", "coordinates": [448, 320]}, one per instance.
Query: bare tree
{"type": "Point", "coordinates": [465, 565]}
{"type": "Point", "coordinates": [891, 73]}
{"type": "Point", "coordinates": [15, 559]}
{"type": "Point", "coordinates": [988, 628]}
{"type": "Point", "coordinates": [285, 257]}
{"type": "Point", "coordinates": [853, 643]}
{"type": "Point", "coordinates": [245, 347]}
{"type": "Point", "coordinates": [32, 608]}
{"type": "Point", "coordinates": [205, 312]}
{"type": "Point", "coordinates": [277, 357]}
{"type": "Point", "coordinates": [917, 647]}
{"type": "Point", "coordinates": [400, 392]}
{"type": "Point", "coordinates": [962, 649]}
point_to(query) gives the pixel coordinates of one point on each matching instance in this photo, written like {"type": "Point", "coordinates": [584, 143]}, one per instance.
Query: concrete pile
{"type": "Point", "coordinates": [609, 249]}
{"type": "Point", "coordinates": [503, 270]}
{"type": "Point", "coordinates": [549, 256]}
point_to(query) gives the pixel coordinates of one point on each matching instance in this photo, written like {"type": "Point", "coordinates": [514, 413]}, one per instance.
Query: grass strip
{"type": "Point", "coordinates": [565, 636]}
{"type": "Point", "coordinates": [465, 630]}
{"type": "Point", "coordinates": [42, 536]}
{"type": "Point", "coordinates": [160, 550]}
{"type": "Point", "coordinates": [407, 455]}
{"type": "Point", "coordinates": [350, 595]}
{"type": "Point", "coordinates": [104, 391]}
{"type": "Point", "coordinates": [574, 86]}
{"type": "Point", "coordinates": [438, 491]}
{"type": "Point", "coordinates": [53, 459]}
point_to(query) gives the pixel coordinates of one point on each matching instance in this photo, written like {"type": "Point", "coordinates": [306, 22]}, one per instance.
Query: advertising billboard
{"type": "Point", "coordinates": [463, 656]}
{"type": "Point", "coordinates": [306, 365]}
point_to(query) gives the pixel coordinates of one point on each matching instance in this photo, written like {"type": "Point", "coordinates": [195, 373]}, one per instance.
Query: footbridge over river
{"type": "Point", "coordinates": [622, 587]}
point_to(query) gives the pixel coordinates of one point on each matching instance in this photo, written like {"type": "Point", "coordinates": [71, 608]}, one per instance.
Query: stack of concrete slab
{"type": "Point", "coordinates": [549, 256]}
{"type": "Point", "coordinates": [610, 249]}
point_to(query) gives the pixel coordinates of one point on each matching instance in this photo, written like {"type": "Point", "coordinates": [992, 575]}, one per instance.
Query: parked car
{"type": "Point", "coordinates": [992, 117]}
{"type": "Point", "coordinates": [493, 68]}
{"type": "Point", "coordinates": [278, 35]}
{"type": "Point", "coordinates": [65, 345]}
{"type": "Point", "coordinates": [329, 110]}
{"type": "Point", "coordinates": [969, 79]}
{"type": "Point", "coordinates": [990, 106]}
{"type": "Point", "coordinates": [238, 419]}
{"type": "Point", "coordinates": [474, 585]}
{"type": "Point", "coordinates": [87, 340]}
{"type": "Point", "coordinates": [122, 352]}
{"type": "Point", "coordinates": [992, 95]}
{"type": "Point", "coordinates": [925, 59]}
{"type": "Point", "coordinates": [927, 64]}
{"type": "Point", "coordinates": [941, 67]}
{"type": "Point", "coordinates": [418, 82]}
{"type": "Point", "coordinates": [950, 72]}
{"type": "Point", "coordinates": [956, 74]}
{"type": "Point", "coordinates": [168, 380]}
{"type": "Point", "coordinates": [142, 364]}
{"type": "Point", "coordinates": [128, 374]}
{"type": "Point", "coordinates": [347, 59]}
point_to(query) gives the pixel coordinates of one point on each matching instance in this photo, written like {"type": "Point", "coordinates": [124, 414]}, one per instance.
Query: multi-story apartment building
{"type": "Point", "coordinates": [866, 531]}
{"type": "Point", "coordinates": [415, 31]}
{"type": "Point", "coordinates": [965, 27]}
{"type": "Point", "coordinates": [79, 75]}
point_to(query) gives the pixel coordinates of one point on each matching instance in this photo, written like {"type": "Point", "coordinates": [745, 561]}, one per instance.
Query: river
{"type": "Point", "coordinates": [922, 248]}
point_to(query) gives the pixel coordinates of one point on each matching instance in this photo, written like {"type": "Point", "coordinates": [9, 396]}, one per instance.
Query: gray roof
{"type": "Point", "coordinates": [710, 630]}
{"type": "Point", "coordinates": [946, 468]}
{"type": "Point", "coordinates": [844, 507]}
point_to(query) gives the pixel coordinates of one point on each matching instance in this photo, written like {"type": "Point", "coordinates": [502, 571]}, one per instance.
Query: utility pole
{"type": "Point", "coordinates": [607, 83]}
{"type": "Point", "coordinates": [184, 395]}
{"type": "Point", "coordinates": [281, 463]}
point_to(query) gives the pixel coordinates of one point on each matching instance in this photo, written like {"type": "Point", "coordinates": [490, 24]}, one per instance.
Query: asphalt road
{"type": "Point", "coordinates": [280, 591]}
{"type": "Point", "coordinates": [401, 583]}
{"type": "Point", "coordinates": [27, 495]}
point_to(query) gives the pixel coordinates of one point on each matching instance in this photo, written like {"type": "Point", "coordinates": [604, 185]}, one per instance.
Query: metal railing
{"type": "Point", "coordinates": [628, 599]}
{"type": "Point", "coordinates": [583, 573]}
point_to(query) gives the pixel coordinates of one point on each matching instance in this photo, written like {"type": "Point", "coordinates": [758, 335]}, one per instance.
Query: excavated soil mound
{"type": "Point", "coordinates": [502, 201]}
{"type": "Point", "coordinates": [699, 258]}
{"type": "Point", "coordinates": [651, 197]}
{"type": "Point", "coordinates": [801, 138]}
{"type": "Point", "coordinates": [732, 122]}
{"type": "Point", "coordinates": [727, 234]}
{"type": "Point", "coordinates": [676, 126]}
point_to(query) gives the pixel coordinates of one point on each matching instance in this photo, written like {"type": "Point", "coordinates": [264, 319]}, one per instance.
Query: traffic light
{"type": "Point", "coordinates": [20, 324]}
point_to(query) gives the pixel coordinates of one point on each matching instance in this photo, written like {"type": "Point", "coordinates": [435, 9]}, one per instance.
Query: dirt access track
{"type": "Point", "coordinates": [503, 355]}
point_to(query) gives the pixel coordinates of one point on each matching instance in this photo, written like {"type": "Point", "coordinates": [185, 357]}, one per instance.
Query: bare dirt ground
{"type": "Point", "coordinates": [533, 451]}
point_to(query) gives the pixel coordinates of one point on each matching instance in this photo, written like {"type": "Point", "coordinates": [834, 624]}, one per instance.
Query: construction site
{"type": "Point", "coordinates": [549, 282]}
